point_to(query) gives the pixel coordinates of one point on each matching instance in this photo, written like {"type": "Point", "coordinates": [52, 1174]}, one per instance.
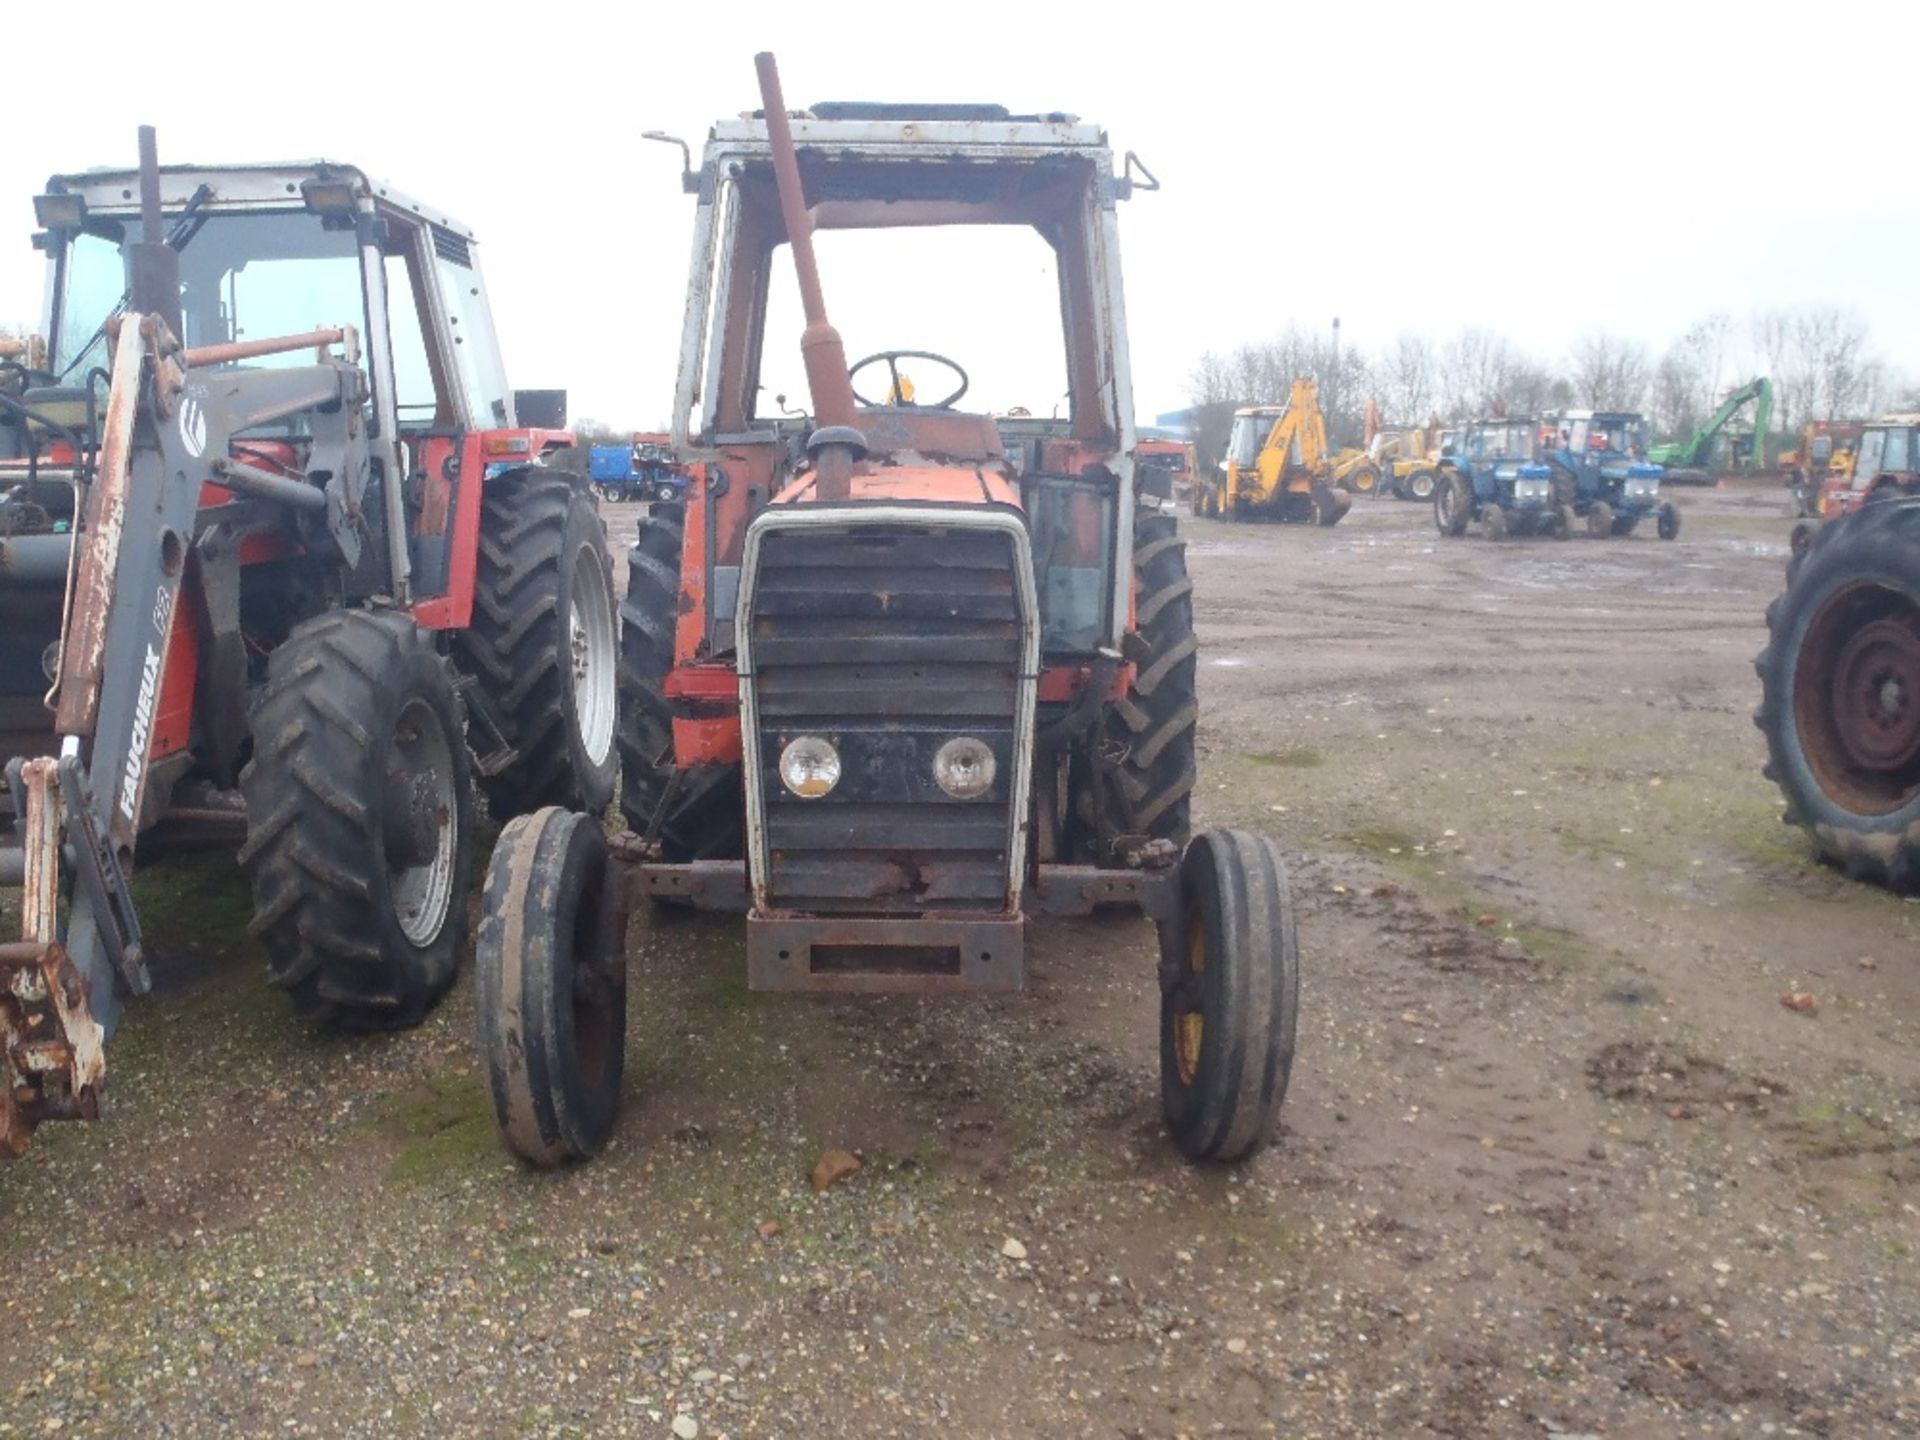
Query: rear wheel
{"type": "Point", "coordinates": [1229, 996]}
{"type": "Point", "coordinates": [1452, 505]}
{"type": "Point", "coordinates": [359, 821]}
{"type": "Point", "coordinates": [1141, 781]}
{"type": "Point", "coordinates": [543, 643]}
{"type": "Point", "coordinates": [1840, 694]}
{"type": "Point", "coordinates": [1421, 485]}
{"type": "Point", "coordinates": [1364, 480]}
{"type": "Point", "coordinates": [695, 813]}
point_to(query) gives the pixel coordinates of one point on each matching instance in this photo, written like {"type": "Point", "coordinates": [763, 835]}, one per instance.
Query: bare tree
{"type": "Point", "coordinates": [1830, 356]}
{"type": "Point", "coordinates": [1407, 378]}
{"type": "Point", "coordinates": [1610, 373]}
{"type": "Point", "coordinates": [1677, 386]}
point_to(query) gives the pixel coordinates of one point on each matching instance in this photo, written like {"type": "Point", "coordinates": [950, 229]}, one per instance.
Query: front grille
{"type": "Point", "coordinates": [888, 640]}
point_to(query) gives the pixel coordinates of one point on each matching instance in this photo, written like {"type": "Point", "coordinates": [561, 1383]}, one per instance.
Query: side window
{"type": "Point", "coordinates": [418, 402]}
{"type": "Point", "coordinates": [476, 352]}
{"type": "Point", "coordinates": [1872, 446]}
{"type": "Point", "coordinates": [1899, 451]}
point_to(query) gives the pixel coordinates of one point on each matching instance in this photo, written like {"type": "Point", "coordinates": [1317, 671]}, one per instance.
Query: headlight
{"type": "Point", "coordinates": [1530, 490]}
{"type": "Point", "coordinates": [1642, 489]}
{"type": "Point", "coordinates": [809, 767]}
{"type": "Point", "coordinates": [963, 767]}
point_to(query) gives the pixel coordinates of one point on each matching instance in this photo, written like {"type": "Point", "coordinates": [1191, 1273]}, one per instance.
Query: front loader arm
{"type": "Point", "coordinates": [167, 432]}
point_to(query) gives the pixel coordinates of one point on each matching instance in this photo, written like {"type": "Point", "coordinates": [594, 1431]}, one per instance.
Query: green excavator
{"type": "Point", "coordinates": [1687, 461]}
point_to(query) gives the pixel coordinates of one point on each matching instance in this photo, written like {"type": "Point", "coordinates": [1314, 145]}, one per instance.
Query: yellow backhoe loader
{"type": "Point", "coordinates": [1278, 465]}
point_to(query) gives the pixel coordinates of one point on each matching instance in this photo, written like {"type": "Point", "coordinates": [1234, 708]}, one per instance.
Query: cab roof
{"type": "Point", "coordinates": [269, 185]}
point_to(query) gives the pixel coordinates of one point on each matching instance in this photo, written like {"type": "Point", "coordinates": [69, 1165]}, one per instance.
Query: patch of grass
{"type": "Point", "coordinates": [1822, 1126]}
{"type": "Point", "coordinates": [444, 1127]}
{"type": "Point", "coordinates": [194, 902]}
{"type": "Point", "coordinates": [1297, 757]}
{"type": "Point", "coordinates": [1382, 841]}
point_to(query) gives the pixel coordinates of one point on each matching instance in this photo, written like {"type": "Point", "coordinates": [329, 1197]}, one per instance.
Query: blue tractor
{"type": "Point", "coordinates": [1600, 469]}
{"type": "Point", "coordinates": [643, 470]}
{"type": "Point", "coordinates": [1490, 471]}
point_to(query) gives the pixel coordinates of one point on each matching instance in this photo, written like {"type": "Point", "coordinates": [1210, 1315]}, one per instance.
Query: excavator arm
{"type": "Point", "coordinates": [1693, 451]}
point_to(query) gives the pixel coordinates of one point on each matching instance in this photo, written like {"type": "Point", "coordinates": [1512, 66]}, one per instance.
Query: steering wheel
{"type": "Point", "coordinates": [893, 359]}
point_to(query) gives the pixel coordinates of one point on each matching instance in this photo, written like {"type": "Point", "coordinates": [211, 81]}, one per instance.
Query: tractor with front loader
{"type": "Point", "coordinates": [276, 553]}
{"type": "Point", "coordinates": [893, 679]}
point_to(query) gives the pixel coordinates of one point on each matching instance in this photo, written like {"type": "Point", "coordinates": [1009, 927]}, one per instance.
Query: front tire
{"type": "Point", "coordinates": [1495, 519]}
{"type": "Point", "coordinates": [1600, 520]}
{"type": "Point", "coordinates": [1667, 525]}
{"type": "Point", "coordinates": [359, 803]}
{"type": "Point", "coordinates": [1230, 996]}
{"type": "Point", "coordinates": [1840, 694]}
{"type": "Point", "coordinates": [1421, 485]}
{"type": "Point", "coordinates": [551, 988]}
{"type": "Point", "coordinates": [543, 643]}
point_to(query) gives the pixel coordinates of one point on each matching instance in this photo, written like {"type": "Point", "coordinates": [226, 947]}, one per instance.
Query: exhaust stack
{"type": "Point", "coordinates": [836, 444]}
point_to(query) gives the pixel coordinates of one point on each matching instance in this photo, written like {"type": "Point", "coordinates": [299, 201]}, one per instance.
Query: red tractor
{"type": "Point", "coordinates": [895, 677]}
{"type": "Point", "coordinates": [275, 551]}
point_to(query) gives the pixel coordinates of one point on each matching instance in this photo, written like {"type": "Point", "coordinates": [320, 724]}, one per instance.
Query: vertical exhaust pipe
{"type": "Point", "coordinates": [153, 266]}
{"type": "Point", "coordinates": [836, 444]}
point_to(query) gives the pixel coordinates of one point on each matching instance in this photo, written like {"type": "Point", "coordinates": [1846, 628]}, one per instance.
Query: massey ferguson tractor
{"type": "Point", "coordinates": [891, 681]}
{"type": "Point", "coordinates": [274, 552]}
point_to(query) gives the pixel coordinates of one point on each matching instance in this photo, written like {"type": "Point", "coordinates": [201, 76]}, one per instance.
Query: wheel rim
{"type": "Point", "coordinates": [590, 646]}
{"type": "Point", "coordinates": [1189, 1024]}
{"type": "Point", "coordinates": [420, 836]}
{"type": "Point", "coordinates": [1856, 698]}
{"type": "Point", "coordinates": [1422, 487]}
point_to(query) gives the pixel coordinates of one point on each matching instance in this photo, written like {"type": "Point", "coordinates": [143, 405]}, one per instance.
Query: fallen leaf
{"type": "Point", "coordinates": [832, 1167]}
{"type": "Point", "coordinates": [1802, 1001]}
{"type": "Point", "coordinates": [769, 1229]}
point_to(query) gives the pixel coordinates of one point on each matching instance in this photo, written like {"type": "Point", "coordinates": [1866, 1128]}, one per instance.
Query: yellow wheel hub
{"type": "Point", "coordinates": [1190, 1027]}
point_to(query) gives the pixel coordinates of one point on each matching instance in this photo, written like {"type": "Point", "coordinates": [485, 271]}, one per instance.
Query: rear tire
{"type": "Point", "coordinates": [1147, 739]}
{"type": "Point", "coordinates": [551, 985]}
{"type": "Point", "coordinates": [543, 643]}
{"type": "Point", "coordinates": [1228, 1008]}
{"type": "Point", "coordinates": [1452, 505]}
{"type": "Point", "coordinates": [698, 814]}
{"type": "Point", "coordinates": [1840, 694]}
{"type": "Point", "coordinates": [359, 803]}
{"type": "Point", "coordinates": [1421, 485]}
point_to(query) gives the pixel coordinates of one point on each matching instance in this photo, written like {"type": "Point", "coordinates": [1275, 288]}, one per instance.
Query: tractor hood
{"type": "Point", "coordinates": [914, 484]}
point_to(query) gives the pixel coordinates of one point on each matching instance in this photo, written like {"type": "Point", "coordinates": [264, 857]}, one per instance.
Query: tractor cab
{"type": "Point", "coordinates": [1599, 460]}
{"type": "Point", "coordinates": [1885, 462]}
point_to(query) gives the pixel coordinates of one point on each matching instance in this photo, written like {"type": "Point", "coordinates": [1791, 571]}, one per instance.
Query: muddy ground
{"type": "Point", "coordinates": [1556, 1160]}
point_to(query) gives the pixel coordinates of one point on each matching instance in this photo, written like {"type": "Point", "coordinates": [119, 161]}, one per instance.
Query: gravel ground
{"type": "Point", "coordinates": [1557, 1160]}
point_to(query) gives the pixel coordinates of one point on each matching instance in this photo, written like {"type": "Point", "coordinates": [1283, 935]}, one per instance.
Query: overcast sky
{"type": "Point", "coordinates": [1539, 169]}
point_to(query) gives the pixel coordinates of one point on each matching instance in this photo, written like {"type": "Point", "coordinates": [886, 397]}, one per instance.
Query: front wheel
{"type": "Point", "coordinates": [1230, 990]}
{"type": "Point", "coordinates": [1600, 520]}
{"type": "Point", "coordinates": [1560, 522]}
{"type": "Point", "coordinates": [1496, 522]}
{"type": "Point", "coordinates": [1668, 523]}
{"type": "Point", "coordinates": [1421, 485]}
{"type": "Point", "coordinates": [665, 493]}
{"type": "Point", "coordinates": [551, 988]}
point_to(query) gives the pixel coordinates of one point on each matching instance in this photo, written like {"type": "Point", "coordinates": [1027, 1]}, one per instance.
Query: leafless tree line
{"type": "Point", "coordinates": [1820, 359]}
